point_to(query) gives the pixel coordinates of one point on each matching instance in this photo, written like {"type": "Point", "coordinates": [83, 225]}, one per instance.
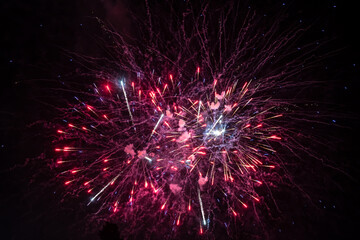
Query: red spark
{"type": "Point", "coordinates": [275, 137]}
{"type": "Point", "coordinates": [163, 206]}
{"type": "Point", "coordinates": [244, 86]}
{"type": "Point", "coordinates": [66, 149]}
{"type": "Point", "coordinates": [235, 214]}
{"type": "Point", "coordinates": [158, 90]}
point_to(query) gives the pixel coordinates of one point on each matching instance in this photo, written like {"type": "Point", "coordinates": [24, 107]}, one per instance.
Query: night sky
{"type": "Point", "coordinates": [37, 38]}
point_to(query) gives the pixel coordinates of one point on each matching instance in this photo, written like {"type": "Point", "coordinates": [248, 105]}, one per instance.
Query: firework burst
{"type": "Point", "coordinates": [184, 124]}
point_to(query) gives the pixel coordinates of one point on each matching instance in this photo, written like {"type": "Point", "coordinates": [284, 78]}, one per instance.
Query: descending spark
{"type": "Point", "coordinates": [201, 207]}
{"type": "Point", "coordinates": [198, 115]}
{"type": "Point", "coordinates": [127, 102]}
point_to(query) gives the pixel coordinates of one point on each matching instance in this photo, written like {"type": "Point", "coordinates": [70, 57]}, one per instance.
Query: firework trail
{"type": "Point", "coordinates": [181, 126]}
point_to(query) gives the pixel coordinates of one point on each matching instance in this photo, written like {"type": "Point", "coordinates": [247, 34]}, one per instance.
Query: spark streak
{"type": "Point", "coordinates": [127, 101]}
{"type": "Point", "coordinates": [201, 207]}
{"type": "Point", "coordinates": [156, 126]}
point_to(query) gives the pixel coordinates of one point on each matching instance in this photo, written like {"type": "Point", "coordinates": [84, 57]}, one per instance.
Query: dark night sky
{"type": "Point", "coordinates": [34, 35]}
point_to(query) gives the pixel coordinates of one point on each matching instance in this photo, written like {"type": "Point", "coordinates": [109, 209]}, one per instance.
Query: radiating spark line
{"type": "Point", "coordinates": [201, 207]}
{"type": "Point", "coordinates": [198, 115]}
{"type": "Point", "coordinates": [127, 102]}
{"type": "Point", "coordinates": [103, 189]}
{"type": "Point", "coordinates": [157, 124]}
{"type": "Point", "coordinates": [149, 159]}
{"type": "Point", "coordinates": [215, 124]}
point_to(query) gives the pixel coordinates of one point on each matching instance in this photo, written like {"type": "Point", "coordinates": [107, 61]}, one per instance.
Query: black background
{"type": "Point", "coordinates": [34, 35]}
